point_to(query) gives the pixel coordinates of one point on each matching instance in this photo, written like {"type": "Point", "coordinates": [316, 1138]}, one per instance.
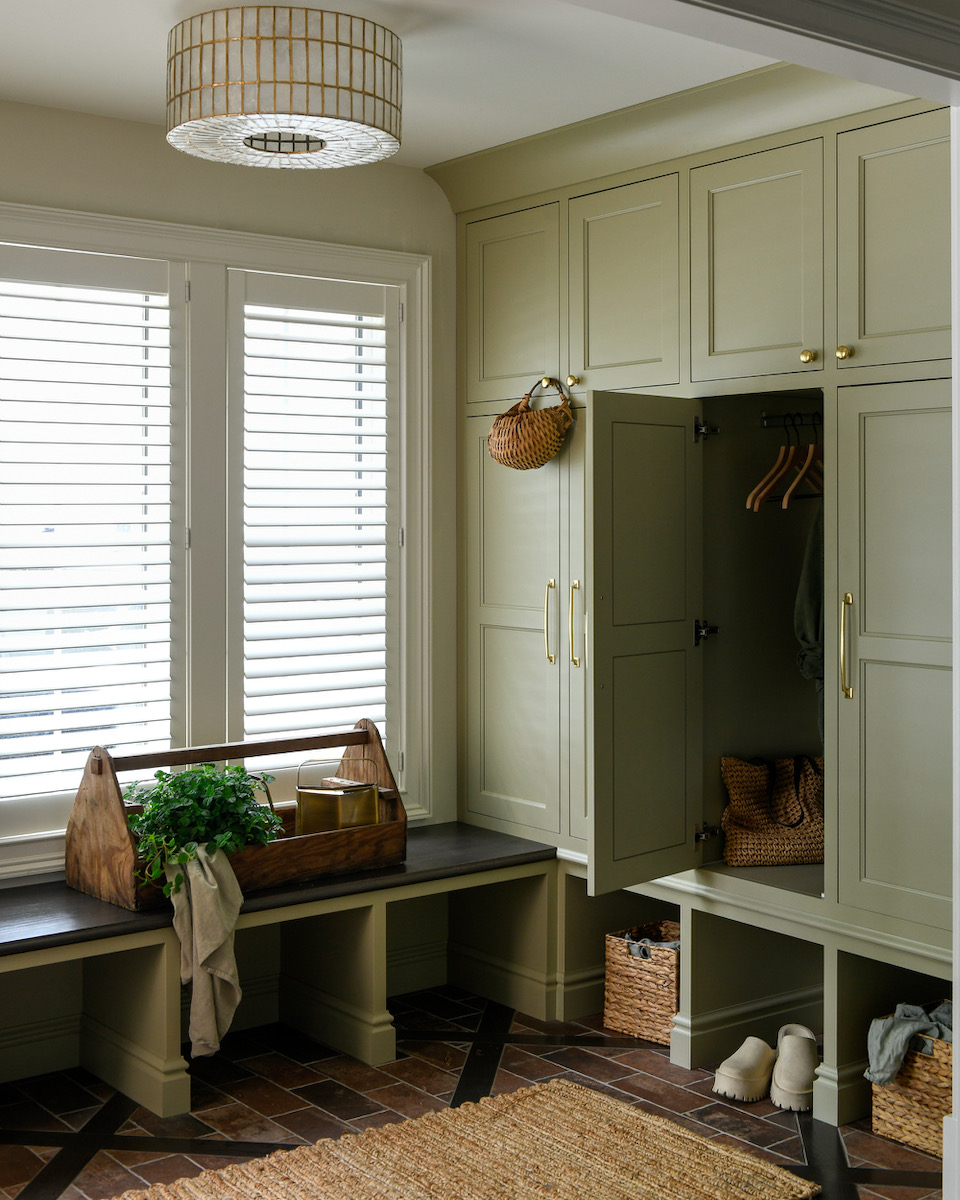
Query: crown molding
{"type": "Point", "coordinates": [894, 29]}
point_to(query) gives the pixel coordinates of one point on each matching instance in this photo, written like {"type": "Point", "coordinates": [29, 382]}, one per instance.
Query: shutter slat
{"type": "Point", "coordinates": [84, 528]}
{"type": "Point", "coordinates": [315, 497]}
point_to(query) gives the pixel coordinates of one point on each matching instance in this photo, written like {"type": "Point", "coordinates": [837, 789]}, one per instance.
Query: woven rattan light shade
{"type": "Point", "coordinates": [275, 86]}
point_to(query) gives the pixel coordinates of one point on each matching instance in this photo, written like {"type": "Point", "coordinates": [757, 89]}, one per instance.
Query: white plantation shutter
{"type": "Point", "coordinates": [315, 506]}
{"type": "Point", "coordinates": [85, 571]}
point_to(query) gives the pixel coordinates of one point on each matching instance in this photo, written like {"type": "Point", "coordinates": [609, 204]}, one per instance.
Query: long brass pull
{"type": "Point", "coordinates": [551, 583]}
{"type": "Point", "coordinates": [574, 587]}
{"type": "Point", "coordinates": [846, 603]}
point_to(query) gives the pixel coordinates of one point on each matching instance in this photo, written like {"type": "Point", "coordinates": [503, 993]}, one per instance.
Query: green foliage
{"type": "Point", "coordinates": [215, 806]}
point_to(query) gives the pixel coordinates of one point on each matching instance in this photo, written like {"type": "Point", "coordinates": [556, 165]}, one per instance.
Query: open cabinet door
{"type": "Point", "coordinates": [643, 495]}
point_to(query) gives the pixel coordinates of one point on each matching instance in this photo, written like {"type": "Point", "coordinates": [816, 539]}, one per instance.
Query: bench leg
{"type": "Point", "coordinates": [333, 983]}
{"type": "Point", "coordinates": [130, 1029]}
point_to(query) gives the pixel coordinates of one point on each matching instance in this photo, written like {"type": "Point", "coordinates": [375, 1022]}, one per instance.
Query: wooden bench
{"type": "Point", "coordinates": [124, 1023]}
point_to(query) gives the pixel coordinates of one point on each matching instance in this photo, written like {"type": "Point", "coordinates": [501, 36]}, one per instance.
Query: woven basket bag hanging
{"type": "Point", "coordinates": [525, 437]}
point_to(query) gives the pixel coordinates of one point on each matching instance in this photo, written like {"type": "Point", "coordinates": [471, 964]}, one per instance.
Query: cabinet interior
{"type": "Point", "coordinates": [756, 702]}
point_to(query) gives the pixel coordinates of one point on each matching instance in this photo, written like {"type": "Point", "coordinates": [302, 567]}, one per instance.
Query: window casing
{"type": "Point", "coordinates": [206, 479]}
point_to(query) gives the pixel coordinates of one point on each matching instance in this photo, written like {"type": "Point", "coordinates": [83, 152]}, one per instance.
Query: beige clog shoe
{"type": "Point", "coordinates": [791, 1085]}
{"type": "Point", "coordinates": [745, 1075]}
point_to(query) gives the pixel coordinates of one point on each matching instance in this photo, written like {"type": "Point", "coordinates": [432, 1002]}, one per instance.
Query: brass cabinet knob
{"type": "Point", "coordinates": [844, 352]}
{"type": "Point", "coordinates": [572, 380]}
{"type": "Point", "coordinates": [546, 381]}
{"type": "Point", "coordinates": [808, 356]}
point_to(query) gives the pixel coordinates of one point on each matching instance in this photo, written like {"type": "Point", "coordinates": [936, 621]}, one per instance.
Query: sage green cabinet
{"type": "Point", "coordinates": [624, 285]}
{"type": "Point", "coordinates": [519, 690]}
{"type": "Point", "coordinates": [894, 605]}
{"type": "Point", "coordinates": [512, 335]}
{"type": "Point", "coordinates": [583, 584]}
{"type": "Point", "coordinates": [756, 264]}
{"type": "Point", "coordinates": [893, 231]}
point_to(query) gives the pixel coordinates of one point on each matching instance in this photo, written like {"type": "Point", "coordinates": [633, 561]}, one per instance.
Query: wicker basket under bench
{"type": "Point", "coordinates": [910, 1109]}
{"type": "Point", "coordinates": [641, 995]}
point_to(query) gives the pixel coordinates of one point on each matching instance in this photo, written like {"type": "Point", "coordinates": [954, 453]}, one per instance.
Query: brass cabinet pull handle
{"type": "Point", "coordinates": [846, 603]}
{"type": "Point", "coordinates": [575, 586]}
{"type": "Point", "coordinates": [551, 583]}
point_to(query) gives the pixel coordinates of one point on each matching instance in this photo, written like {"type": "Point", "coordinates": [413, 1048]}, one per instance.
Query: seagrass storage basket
{"type": "Point", "coordinates": [641, 995]}
{"type": "Point", "coordinates": [911, 1108]}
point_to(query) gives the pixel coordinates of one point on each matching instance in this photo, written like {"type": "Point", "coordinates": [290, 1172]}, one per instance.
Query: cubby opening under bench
{"type": "Point", "coordinates": [88, 983]}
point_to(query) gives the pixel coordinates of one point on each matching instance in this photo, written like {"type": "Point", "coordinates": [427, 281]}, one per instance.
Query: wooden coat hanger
{"type": "Point", "coordinates": [807, 471]}
{"type": "Point", "coordinates": [785, 460]}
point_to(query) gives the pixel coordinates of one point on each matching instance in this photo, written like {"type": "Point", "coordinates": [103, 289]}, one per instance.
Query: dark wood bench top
{"type": "Point", "coordinates": [44, 915]}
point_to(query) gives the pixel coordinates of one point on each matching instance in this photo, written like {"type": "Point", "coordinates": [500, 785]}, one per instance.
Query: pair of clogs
{"type": "Point", "coordinates": [786, 1073]}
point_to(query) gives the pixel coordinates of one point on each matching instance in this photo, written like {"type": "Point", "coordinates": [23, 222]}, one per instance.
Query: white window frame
{"type": "Point", "coordinates": [32, 829]}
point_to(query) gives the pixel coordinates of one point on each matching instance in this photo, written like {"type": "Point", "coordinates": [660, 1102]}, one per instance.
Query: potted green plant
{"type": "Point", "coordinates": [206, 805]}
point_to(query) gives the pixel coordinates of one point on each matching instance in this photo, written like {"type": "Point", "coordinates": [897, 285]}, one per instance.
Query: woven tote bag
{"type": "Point", "coordinates": [525, 437]}
{"type": "Point", "coordinates": [774, 814]}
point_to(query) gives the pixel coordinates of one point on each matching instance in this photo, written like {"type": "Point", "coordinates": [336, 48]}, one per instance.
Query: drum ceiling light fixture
{"type": "Point", "coordinates": [273, 86]}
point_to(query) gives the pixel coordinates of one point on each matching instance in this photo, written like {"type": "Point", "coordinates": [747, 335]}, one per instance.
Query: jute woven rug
{"type": "Point", "coordinates": [554, 1140]}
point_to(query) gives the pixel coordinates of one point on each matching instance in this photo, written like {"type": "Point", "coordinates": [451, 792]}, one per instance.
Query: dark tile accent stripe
{"type": "Point", "coordinates": [483, 1061]}
{"type": "Point", "coordinates": [458, 1048]}
{"type": "Point", "coordinates": [78, 1149]}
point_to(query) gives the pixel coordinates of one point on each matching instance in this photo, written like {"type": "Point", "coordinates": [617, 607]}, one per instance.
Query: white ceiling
{"type": "Point", "coordinates": [476, 73]}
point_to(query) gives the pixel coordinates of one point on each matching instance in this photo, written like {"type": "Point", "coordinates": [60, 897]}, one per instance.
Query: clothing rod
{"type": "Point", "coordinates": [791, 420]}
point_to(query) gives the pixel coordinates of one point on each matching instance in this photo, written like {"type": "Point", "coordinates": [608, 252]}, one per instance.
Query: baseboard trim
{"type": "Point", "coordinates": [707, 1038]}
{"type": "Point", "coordinates": [369, 1036]}
{"type": "Point", "coordinates": [580, 993]}
{"type": "Point", "coordinates": [841, 1094]}
{"type": "Point", "coordinates": [413, 968]}
{"type": "Point", "coordinates": [160, 1084]}
{"type": "Point", "coordinates": [509, 983]}
{"type": "Point", "coordinates": [37, 1047]}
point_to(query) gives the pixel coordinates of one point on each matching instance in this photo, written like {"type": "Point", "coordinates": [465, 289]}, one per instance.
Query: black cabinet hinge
{"type": "Point", "coordinates": [706, 833]}
{"type": "Point", "coordinates": [702, 430]}
{"type": "Point", "coordinates": [701, 631]}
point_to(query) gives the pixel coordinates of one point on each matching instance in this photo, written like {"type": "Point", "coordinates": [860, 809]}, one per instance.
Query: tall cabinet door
{"type": "Point", "coordinates": [756, 275]}
{"type": "Point", "coordinates": [515, 660]}
{"type": "Point", "coordinates": [644, 743]}
{"type": "Point", "coordinates": [894, 562]}
{"type": "Point", "coordinates": [624, 285]}
{"type": "Point", "coordinates": [513, 302]}
{"type": "Point", "coordinates": [893, 224]}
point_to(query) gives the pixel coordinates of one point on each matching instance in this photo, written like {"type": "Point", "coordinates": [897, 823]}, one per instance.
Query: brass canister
{"type": "Point", "coordinates": [335, 804]}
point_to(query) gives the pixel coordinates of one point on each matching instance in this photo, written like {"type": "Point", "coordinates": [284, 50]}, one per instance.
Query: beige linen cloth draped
{"type": "Point", "coordinates": [205, 911]}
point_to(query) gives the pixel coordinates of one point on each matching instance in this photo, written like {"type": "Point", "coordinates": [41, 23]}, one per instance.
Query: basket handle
{"type": "Point", "coordinates": [543, 382]}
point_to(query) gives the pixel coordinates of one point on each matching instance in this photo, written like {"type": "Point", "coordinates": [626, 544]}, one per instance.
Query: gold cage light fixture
{"type": "Point", "coordinates": [274, 86]}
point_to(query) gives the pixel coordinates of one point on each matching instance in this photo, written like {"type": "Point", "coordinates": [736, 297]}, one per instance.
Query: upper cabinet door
{"type": "Point", "coordinates": [893, 227]}
{"type": "Point", "coordinates": [624, 286]}
{"type": "Point", "coordinates": [644, 740]}
{"type": "Point", "coordinates": [894, 679]}
{"type": "Point", "coordinates": [756, 229]}
{"type": "Point", "coordinates": [513, 302]}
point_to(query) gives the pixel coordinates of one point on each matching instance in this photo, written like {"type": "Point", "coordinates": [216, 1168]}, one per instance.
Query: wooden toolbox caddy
{"type": "Point", "coordinates": [101, 850]}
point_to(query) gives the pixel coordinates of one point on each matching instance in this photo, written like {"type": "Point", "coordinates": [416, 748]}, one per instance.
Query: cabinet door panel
{"type": "Point", "coordinates": [895, 755]}
{"type": "Point", "coordinates": [513, 691]}
{"type": "Point", "coordinates": [624, 285]}
{"type": "Point", "coordinates": [517, 753]}
{"type": "Point", "coordinates": [907, 578]}
{"type": "Point", "coordinates": [893, 222]}
{"type": "Point", "coordinates": [905, 797]}
{"type": "Point", "coordinates": [513, 302]}
{"type": "Point", "coordinates": [643, 726]}
{"type": "Point", "coordinates": [757, 263]}
{"type": "Point", "coordinates": [649, 785]}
